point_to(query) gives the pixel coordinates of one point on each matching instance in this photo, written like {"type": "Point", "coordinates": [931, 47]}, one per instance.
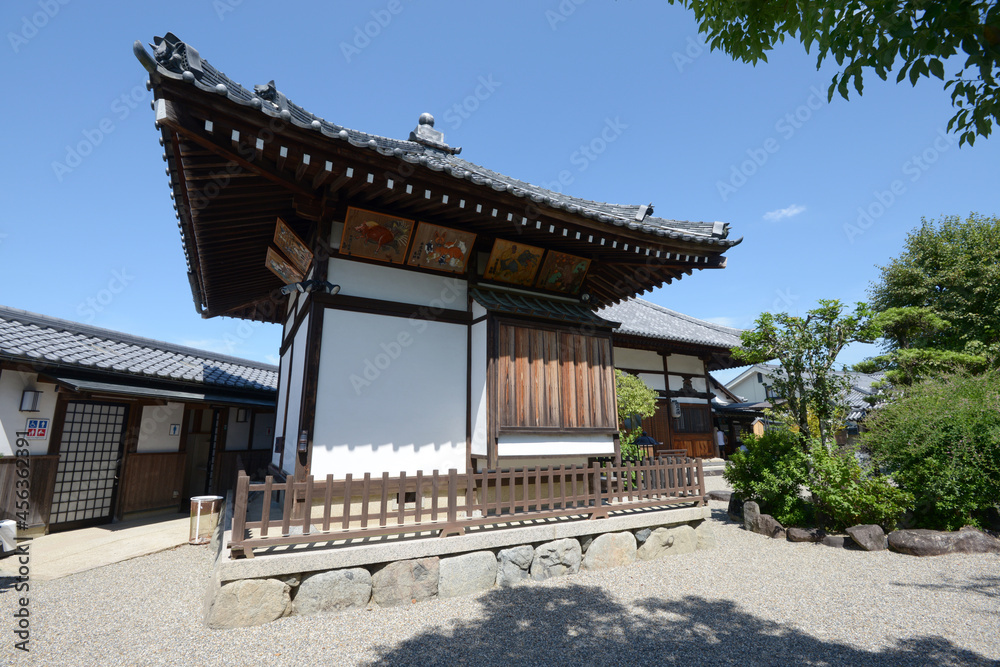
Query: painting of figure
{"type": "Point", "coordinates": [441, 248]}
{"type": "Point", "coordinates": [281, 267]}
{"type": "Point", "coordinates": [563, 273]}
{"type": "Point", "coordinates": [514, 263]}
{"type": "Point", "coordinates": [376, 236]}
{"type": "Point", "coordinates": [292, 246]}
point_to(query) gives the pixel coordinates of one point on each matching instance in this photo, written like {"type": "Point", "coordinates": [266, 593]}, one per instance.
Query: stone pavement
{"type": "Point", "coordinates": [60, 554]}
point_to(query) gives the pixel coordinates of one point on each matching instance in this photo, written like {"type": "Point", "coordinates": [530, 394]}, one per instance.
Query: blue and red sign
{"type": "Point", "coordinates": [37, 428]}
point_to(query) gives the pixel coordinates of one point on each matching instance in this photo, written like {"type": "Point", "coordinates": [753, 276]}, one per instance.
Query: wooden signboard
{"type": "Point", "coordinates": [562, 272]}
{"type": "Point", "coordinates": [376, 236]}
{"type": "Point", "coordinates": [292, 247]}
{"type": "Point", "coordinates": [514, 263]}
{"type": "Point", "coordinates": [281, 267]}
{"type": "Point", "coordinates": [441, 248]}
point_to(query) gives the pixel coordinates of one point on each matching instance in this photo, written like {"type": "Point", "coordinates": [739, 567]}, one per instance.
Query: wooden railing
{"type": "Point", "coordinates": [342, 509]}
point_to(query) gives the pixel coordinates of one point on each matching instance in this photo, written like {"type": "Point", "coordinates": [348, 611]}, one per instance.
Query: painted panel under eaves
{"type": "Point", "coordinates": [391, 395]}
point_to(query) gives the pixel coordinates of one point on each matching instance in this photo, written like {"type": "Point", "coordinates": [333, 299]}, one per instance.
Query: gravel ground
{"type": "Point", "coordinates": [751, 601]}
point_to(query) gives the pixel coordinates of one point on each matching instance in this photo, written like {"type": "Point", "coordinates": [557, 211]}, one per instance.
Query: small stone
{"type": "Point", "coordinates": [839, 542]}
{"type": "Point", "coordinates": [805, 534]}
{"type": "Point", "coordinates": [292, 580]}
{"type": "Point", "coordinates": [643, 535]}
{"type": "Point", "coordinates": [751, 513]}
{"type": "Point", "coordinates": [513, 565]}
{"type": "Point", "coordinates": [869, 537]}
{"type": "Point", "coordinates": [735, 509]}
{"type": "Point", "coordinates": [334, 590]}
{"type": "Point", "coordinates": [406, 581]}
{"type": "Point", "coordinates": [467, 574]}
{"type": "Point", "coordinates": [610, 550]}
{"type": "Point", "coordinates": [247, 602]}
{"type": "Point", "coordinates": [556, 559]}
{"type": "Point", "coordinates": [723, 496]}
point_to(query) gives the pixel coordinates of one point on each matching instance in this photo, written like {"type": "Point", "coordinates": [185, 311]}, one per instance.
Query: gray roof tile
{"type": "Point", "coordinates": [639, 317]}
{"type": "Point", "coordinates": [179, 61]}
{"type": "Point", "coordinates": [68, 344]}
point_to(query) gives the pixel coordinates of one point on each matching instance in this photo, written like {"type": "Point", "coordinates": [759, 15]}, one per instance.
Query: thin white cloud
{"type": "Point", "coordinates": [272, 359]}
{"type": "Point", "coordinates": [782, 213]}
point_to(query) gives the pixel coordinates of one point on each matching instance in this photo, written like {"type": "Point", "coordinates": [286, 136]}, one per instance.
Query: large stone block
{"type": "Point", "coordinates": [922, 542]}
{"type": "Point", "coordinates": [869, 537]}
{"type": "Point", "coordinates": [513, 565]}
{"type": "Point", "coordinates": [764, 524]}
{"type": "Point", "coordinates": [805, 534]}
{"type": "Point", "coordinates": [335, 590]}
{"type": "Point", "coordinates": [610, 550]}
{"type": "Point", "coordinates": [406, 581]}
{"type": "Point", "coordinates": [247, 602]}
{"type": "Point", "coordinates": [556, 559]}
{"type": "Point", "coordinates": [467, 574]}
{"type": "Point", "coordinates": [667, 542]}
{"type": "Point", "coordinates": [706, 536]}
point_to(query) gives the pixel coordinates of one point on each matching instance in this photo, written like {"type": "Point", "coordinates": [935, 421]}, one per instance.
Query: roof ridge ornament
{"type": "Point", "coordinates": [177, 56]}
{"type": "Point", "coordinates": [644, 211]}
{"type": "Point", "coordinates": [270, 93]}
{"type": "Point", "coordinates": [425, 135]}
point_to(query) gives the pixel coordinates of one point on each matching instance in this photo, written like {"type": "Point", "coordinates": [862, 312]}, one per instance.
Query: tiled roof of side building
{"type": "Point", "coordinates": [180, 61]}
{"type": "Point", "coordinates": [48, 341]}
{"type": "Point", "coordinates": [642, 318]}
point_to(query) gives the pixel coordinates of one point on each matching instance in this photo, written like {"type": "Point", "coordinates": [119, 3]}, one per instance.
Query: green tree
{"type": "Point", "coordinates": [939, 440]}
{"type": "Point", "coordinates": [939, 301]}
{"type": "Point", "coordinates": [634, 398]}
{"type": "Point", "coordinates": [807, 349]}
{"type": "Point", "coordinates": [916, 35]}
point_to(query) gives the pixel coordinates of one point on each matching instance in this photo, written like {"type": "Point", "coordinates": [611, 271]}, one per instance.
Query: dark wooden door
{"type": "Point", "coordinates": [90, 450]}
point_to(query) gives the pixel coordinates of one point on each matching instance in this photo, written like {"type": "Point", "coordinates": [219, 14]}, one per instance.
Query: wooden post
{"type": "Point", "coordinates": [239, 515]}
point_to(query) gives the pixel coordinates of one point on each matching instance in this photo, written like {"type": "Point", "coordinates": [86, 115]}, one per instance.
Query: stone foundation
{"type": "Point", "coordinates": [259, 590]}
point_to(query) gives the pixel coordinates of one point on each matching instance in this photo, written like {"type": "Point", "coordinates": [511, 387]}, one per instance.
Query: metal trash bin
{"type": "Point", "coordinates": [204, 518]}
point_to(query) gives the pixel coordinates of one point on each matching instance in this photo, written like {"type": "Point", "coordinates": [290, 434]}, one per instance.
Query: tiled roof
{"type": "Point", "coordinates": [642, 318]}
{"type": "Point", "coordinates": [513, 303]}
{"type": "Point", "coordinates": [179, 61]}
{"type": "Point", "coordinates": [51, 342]}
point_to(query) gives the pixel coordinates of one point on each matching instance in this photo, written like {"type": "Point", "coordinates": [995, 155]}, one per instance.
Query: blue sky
{"type": "Point", "coordinates": [821, 193]}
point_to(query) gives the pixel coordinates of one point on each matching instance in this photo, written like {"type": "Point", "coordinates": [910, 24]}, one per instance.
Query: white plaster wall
{"type": "Point", "coordinates": [751, 390]}
{"type": "Point", "coordinates": [263, 430]}
{"type": "Point", "coordinates": [684, 363]}
{"type": "Point", "coordinates": [154, 428]}
{"type": "Point", "coordinates": [478, 398]}
{"type": "Point", "coordinates": [237, 433]}
{"type": "Point", "coordinates": [640, 360]}
{"type": "Point", "coordinates": [541, 445]}
{"type": "Point", "coordinates": [391, 395]}
{"type": "Point", "coordinates": [654, 381]}
{"type": "Point", "coordinates": [298, 365]}
{"type": "Point", "coordinates": [12, 420]}
{"type": "Point", "coordinates": [399, 285]}
{"type": "Point", "coordinates": [279, 417]}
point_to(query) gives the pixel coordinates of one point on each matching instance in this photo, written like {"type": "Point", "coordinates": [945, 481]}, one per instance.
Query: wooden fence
{"type": "Point", "coordinates": [328, 510]}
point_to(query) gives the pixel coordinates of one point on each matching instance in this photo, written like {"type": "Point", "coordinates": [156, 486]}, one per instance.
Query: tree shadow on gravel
{"type": "Point", "coordinates": [581, 625]}
{"type": "Point", "coordinates": [986, 586]}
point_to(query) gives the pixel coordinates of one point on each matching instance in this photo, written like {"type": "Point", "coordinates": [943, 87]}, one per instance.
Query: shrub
{"type": "Point", "coordinates": [940, 440]}
{"type": "Point", "coordinates": [848, 495]}
{"type": "Point", "coordinates": [770, 472]}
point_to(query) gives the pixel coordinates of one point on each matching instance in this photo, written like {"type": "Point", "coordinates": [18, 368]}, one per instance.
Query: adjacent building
{"type": "Point", "coordinates": [114, 424]}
